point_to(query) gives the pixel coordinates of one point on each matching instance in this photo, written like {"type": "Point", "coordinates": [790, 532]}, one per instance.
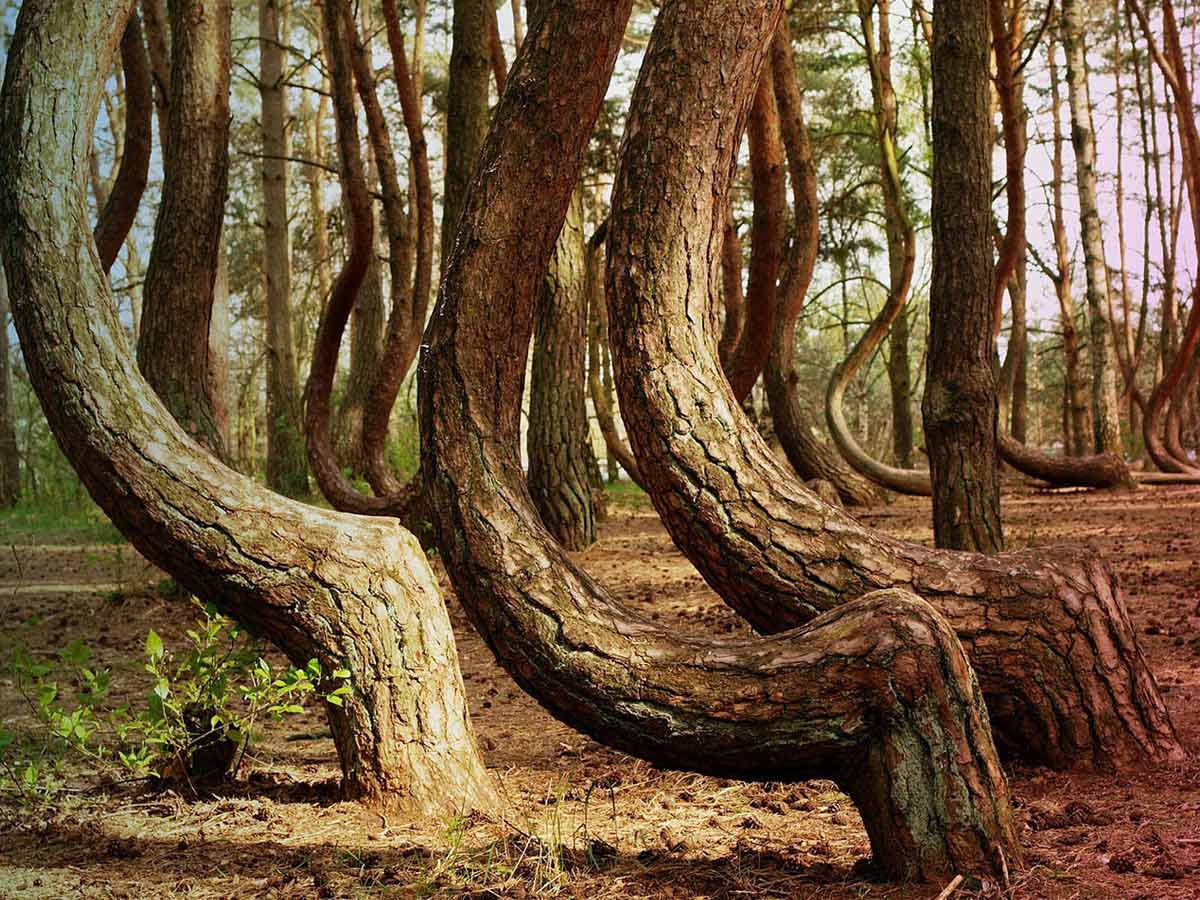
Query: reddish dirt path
{"type": "Point", "coordinates": [650, 834]}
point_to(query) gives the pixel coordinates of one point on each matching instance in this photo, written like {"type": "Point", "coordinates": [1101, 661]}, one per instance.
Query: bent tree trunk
{"type": "Point", "coordinates": [558, 439]}
{"type": "Point", "coordinates": [173, 346]}
{"type": "Point", "coordinates": [810, 456]}
{"type": "Point", "coordinates": [352, 593]}
{"type": "Point", "coordinates": [825, 699]}
{"type": "Point", "coordinates": [117, 217]}
{"type": "Point", "coordinates": [1047, 634]}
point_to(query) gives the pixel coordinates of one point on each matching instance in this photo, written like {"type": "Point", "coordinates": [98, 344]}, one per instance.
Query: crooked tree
{"type": "Point", "coordinates": [352, 593]}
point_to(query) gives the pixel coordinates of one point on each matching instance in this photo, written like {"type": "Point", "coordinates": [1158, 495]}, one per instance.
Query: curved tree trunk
{"type": "Point", "coordinates": [287, 464]}
{"type": "Point", "coordinates": [813, 701]}
{"type": "Point", "coordinates": [902, 258]}
{"type": "Point", "coordinates": [173, 345]}
{"type": "Point", "coordinates": [119, 213]}
{"type": "Point", "coordinates": [1047, 633]}
{"type": "Point", "coordinates": [811, 457]}
{"type": "Point", "coordinates": [558, 441]}
{"type": "Point", "coordinates": [351, 593]}
{"type": "Point", "coordinates": [749, 355]}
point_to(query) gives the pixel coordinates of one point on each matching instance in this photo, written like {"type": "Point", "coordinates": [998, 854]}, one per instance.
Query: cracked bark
{"type": "Point", "coordinates": [558, 440]}
{"type": "Point", "coordinates": [914, 754]}
{"type": "Point", "coordinates": [348, 592]}
{"type": "Point", "coordinates": [1047, 632]}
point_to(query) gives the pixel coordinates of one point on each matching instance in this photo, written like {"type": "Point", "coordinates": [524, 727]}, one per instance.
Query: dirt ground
{"type": "Point", "coordinates": [587, 821]}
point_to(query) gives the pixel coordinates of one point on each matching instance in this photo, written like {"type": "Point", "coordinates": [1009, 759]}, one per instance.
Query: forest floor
{"type": "Point", "coordinates": [586, 821]}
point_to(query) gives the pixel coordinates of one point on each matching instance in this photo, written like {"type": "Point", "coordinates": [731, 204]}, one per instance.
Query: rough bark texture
{"type": "Point", "coordinates": [10, 459]}
{"type": "Point", "coordinates": [287, 465]}
{"type": "Point", "coordinates": [960, 408]}
{"type": "Point", "coordinates": [118, 214]}
{"type": "Point", "coordinates": [466, 108]}
{"type": "Point", "coordinates": [351, 593]}
{"type": "Point", "coordinates": [1047, 632]}
{"type": "Point", "coordinates": [811, 457]}
{"type": "Point", "coordinates": [558, 439]}
{"type": "Point", "coordinates": [925, 781]}
{"type": "Point", "coordinates": [173, 345]}
{"type": "Point", "coordinates": [1106, 421]}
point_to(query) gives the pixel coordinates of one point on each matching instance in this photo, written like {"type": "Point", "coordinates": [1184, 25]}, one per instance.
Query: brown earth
{"type": "Point", "coordinates": [587, 821]}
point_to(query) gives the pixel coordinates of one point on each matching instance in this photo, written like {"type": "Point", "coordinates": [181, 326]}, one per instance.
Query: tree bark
{"type": "Point", "coordinates": [10, 458]}
{"type": "Point", "coordinates": [769, 190]}
{"type": "Point", "coordinates": [811, 457]}
{"type": "Point", "coordinates": [466, 108]}
{"type": "Point", "coordinates": [287, 465]}
{"type": "Point", "coordinates": [173, 345]}
{"type": "Point", "coordinates": [1047, 632]}
{"type": "Point", "coordinates": [622, 679]}
{"type": "Point", "coordinates": [960, 407]}
{"type": "Point", "coordinates": [1106, 422]}
{"type": "Point", "coordinates": [154, 18]}
{"type": "Point", "coordinates": [558, 440]}
{"type": "Point", "coordinates": [350, 593]}
{"type": "Point", "coordinates": [119, 213]}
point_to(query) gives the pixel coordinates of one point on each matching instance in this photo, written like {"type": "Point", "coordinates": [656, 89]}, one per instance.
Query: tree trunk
{"type": "Point", "coordinates": [466, 108]}
{"type": "Point", "coordinates": [10, 458]}
{"type": "Point", "coordinates": [811, 457]}
{"type": "Point", "coordinates": [902, 257]}
{"type": "Point", "coordinates": [351, 593]}
{"type": "Point", "coordinates": [769, 190]}
{"type": "Point", "coordinates": [287, 466]}
{"type": "Point", "coordinates": [623, 679]}
{"type": "Point", "coordinates": [900, 379]}
{"type": "Point", "coordinates": [173, 345]}
{"type": "Point", "coordinates": [1106, 420]}
{"type": "Point", "coordinates": [1047, 632]}
{"type": "Point", "coordinates": [118, 215]}
{"type": "Point", "coordinates": [960, 407]}
{"type": "Point", "coordinates": [558, 440]}
{"type": "Point", "coordinates": [155, 21]}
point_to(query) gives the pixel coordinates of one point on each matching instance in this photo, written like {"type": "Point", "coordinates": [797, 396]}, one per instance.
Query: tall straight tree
{"type": "Point", "coordinates": [1106, 421]}
{"type": "Point", "coordinates": [466, 107]}
{"type": "Point", "coordinates": [558, 439]}
{"type": "Point", "coordinates": [287, 468]}
{"type": "Point", "coordinates": [173, 346]}
{"type": "Point", "coordinates": [960, 407]}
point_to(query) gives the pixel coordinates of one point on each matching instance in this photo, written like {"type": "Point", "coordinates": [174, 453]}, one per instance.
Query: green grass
{"type": "Point", "coordinates": [626, 493]}
{"type": "Point", "coordinates": [31, 522]}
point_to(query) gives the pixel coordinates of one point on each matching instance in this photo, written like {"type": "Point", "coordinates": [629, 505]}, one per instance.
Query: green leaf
{"type": "Point", "coordinates": [154, 646]}
{"type": "Point", "coordinates": [341, 673]}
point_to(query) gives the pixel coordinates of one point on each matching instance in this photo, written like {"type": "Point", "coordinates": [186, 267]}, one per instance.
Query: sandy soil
{"type": "Point", "coordinates": [587, 821]}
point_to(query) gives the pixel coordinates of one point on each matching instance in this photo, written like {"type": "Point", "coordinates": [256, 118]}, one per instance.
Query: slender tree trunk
{"type": "Point", "coordinates": [558, 439]}
{"type": "Point", "coordinates": [173, 346]}
{"type": "Point", "coordinates": [811, 458]}
{"type": "Point", "coordinates": [287, 465]}
{"type": "Point", "coordinates": [625, 680]}
{"type": "Point", "coordinates": [350, 593]}
{"type": "Point", "coordinates": [10, 458]}
{"type": "Point", "coordinates": [902, 256]}
{"type": "Point", "coordinates": [769, 189]}
{"type": "Point", "coordinates": [157, 34]}
{"type": "Point", "coordinates": [118, 213]}
{"type": "Point", "coordinates": [1105, 407]}
{"type": "Point", "coordinates": [466, 108]}
{"type": "Point", "coordinates": [960, 408]}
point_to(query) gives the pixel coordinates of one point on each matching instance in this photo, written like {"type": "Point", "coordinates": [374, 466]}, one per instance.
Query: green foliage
{"type": "Point", "coordinates": [217, 687]}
